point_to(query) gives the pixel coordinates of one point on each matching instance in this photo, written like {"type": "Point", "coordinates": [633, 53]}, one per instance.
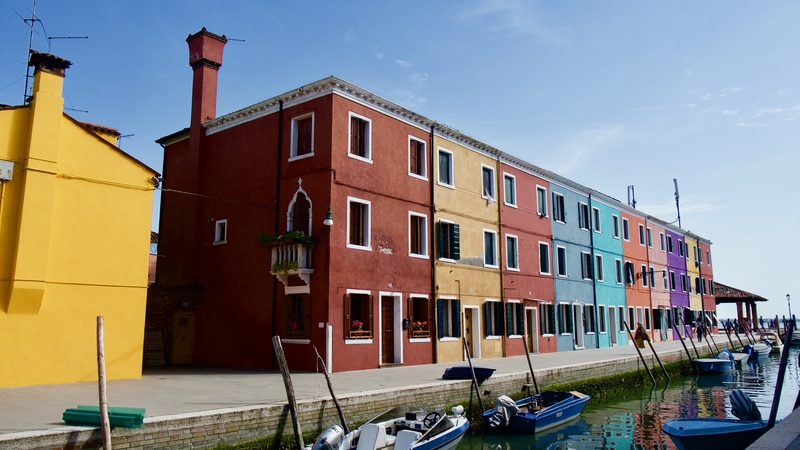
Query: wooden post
{"type": "Point", "coordinates": [652, 378]}
{"type": "Point", "coordinates": [101, 384]}
{"type": "Point", "coordinates": [685, 348]}
{"type": "Point", "coordinates": [776, 397]}
{"type": "Point", "coordinates": [530, 366]}
{"type": "Point", "coordinates": [472, 370]}
{"type": "Point", "coordinates": [659, 360]}
{"type": "Point", "coordinates": [287, 382]}
{"type": "Point", "coordinates": [330, 389]}
{"type": "Point", "coordinates": [691, 337]}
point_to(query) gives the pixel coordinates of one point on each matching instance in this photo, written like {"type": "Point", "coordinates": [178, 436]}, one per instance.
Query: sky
{"type": "Point", "coordinates": [608, 94]}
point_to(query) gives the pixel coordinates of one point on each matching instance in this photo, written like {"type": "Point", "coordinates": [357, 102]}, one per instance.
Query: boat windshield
{"type": "Point", "coordinates": [441, 426]}
{"type": "Point", "coordinates": [397, 411]}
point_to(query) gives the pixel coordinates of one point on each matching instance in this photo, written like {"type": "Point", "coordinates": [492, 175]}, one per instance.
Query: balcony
{"type": "Point", "coordinates": [292, 257]}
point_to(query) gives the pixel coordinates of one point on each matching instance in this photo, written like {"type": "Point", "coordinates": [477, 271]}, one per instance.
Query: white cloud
{"type": "Point", "coordinates": [508, 15]}
{"type": "Point", "coordinates": [688, 73]}
{"type": "Point", "coordinates": [402, 63]}
{"type": "Point", "coordinates": [379, 55]}
{"type": "Point", "coordinates": [728, 90]}
{"type": "Point", "coordinates": [350, 35]}
{"type": "Point", "coordinates": [581, 150]}
{"type": "Point", "coordinates": [690, 203]}
{"type": "Point", "coordinates": [691, 104]}
{"type": "Point", "coordinates": [406, 98]}
{"type": "Point", "coordinates": [707, 96]}
{"type": "Point", "coordinates": [729, 113]}
{"type": "Point", "coordinates": [419, 79]}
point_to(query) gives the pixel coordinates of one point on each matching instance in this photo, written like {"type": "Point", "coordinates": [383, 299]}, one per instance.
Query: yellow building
{"type": "Point", "coordinates": [74, 238]}
{"type": "Point", "coordinates": [469, 250]}
{"type": "Point", "coordinates": [693, 274]}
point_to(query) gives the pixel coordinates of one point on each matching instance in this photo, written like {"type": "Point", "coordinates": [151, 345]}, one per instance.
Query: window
{"type": "Point", "coordinates": [510, 190]}
{"type": "Point", "coordinates": [300, 214]}
{"type": "Point", "coordinates": [564, 319]}
{"type": "Point", "coordinates": [686, 249]}
{"type": "Point", "coordinates": [515, 319]}
{"type": "Point", "coordinates": [652, 277]}
{"type": "Point", "coordinates": [625, 230]}
{"type": "Point", "coordinates": [583, 216]}
{"type": "Point", "coordinates": [446, 168]}
{"type": "Point", "coordinates": [641, 234]}
{"type": "Point", "coordinates": [588, 318]}
{"type": "Point", "coordinates": [672, 280]}
{"type": "Point", "coordinates": [302, 136]}
{"type": "Point", "coordinates": [615, 226]}
{"type": "Point", "coordinates": [221, 232]}
{"type": "Point", "coordinates": [297, 317]}
{"type": "Point", "coordinates": [650, 238]}
{"type": "Point", "coordinates": [697, 287]}
{"type": "Point", "coordinates": [493, 313]}
{"type": "Point", "coordinates": [448, 318]}
{"type": "Point", "coordinates": [596, 219]}
{"type": "Point", "coordinates": [541, 201]}
{"type": "Point", "coordinates": [680, 247]}
{"type": "Point", "coordinates": [694, 252]}
{"type": "Point", "coordinates": [487, 182]}
{"type": "Point", "coordinates": [705, 291]}
{"type": "Point", "coordinates": [708, 257]}
{"type": "Point", "coordinates": [547, 320]}
{"type": "Point", "coordinates": [449, 241]}
{"type": "Point", "coordinates": [710, 287]}
{"type": "Point", "coordinates": [417, 164]}
{"type": "Point", "coordinates": [598, 267]}
{"type": "Point", "coordinates": [561, 261]}
{"type": "Point", "coordinates": [559, 215]}
{"type": "Point", "coordinates": [544, 258]}
{"type": "Point", "coordinates": [358, 223]}
{"type": "Point", "coordinates": [683, 282]}
{"type": "Point", "coordinates": [618, 269]}
{"type": "Point", "coordinates": [621, 324]}
{"type": "Point", "coordinates": [644, 275]}
{"type": "Point", "coordinates": [586, 266]}
{"type": "Point", "coordinates": [631, 318]}
{"type": "Point", "coordinates": [417, 234]}
{"type": "Point", "coordinates": [489, 248]}
{"type": "Point", "coordinates": [639, 318]}
{"type": "Point", "coordinates": [419, 310]}
{"type": "Point", "coordinates": [664, 274]}
{"type": "Point", "coordinates": [647, 319]}
{"type": "Point", "coordinates": [629, 275]}
{"type": "Point", "coordinates": [512, 257]}
{"type": "Point", "coordinates": [669, 244]}
{"type": "Point", "coordinates": [661, 236]}
{"type": "Point", "coordinates": [601, 318]}
{"type": "Point", "coordinates": [358, 315]}
{"type": "Point", "coordinates": [700, 255]}
{"type": "Point", "coordinates": [360, 137]}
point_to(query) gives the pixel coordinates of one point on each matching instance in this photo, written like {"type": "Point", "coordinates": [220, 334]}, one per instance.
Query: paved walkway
{"type": "Point", "coordinates": [182, 390]}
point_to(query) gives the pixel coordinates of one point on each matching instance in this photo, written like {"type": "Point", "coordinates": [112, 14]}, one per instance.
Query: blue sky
{"type": "Point", "coordinates": [609, 94]}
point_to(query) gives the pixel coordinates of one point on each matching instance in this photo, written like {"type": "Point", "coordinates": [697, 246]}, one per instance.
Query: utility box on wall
{"type": "Point", "coordinates": [6, 169]}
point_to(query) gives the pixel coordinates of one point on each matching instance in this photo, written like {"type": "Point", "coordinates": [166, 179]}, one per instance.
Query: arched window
{"type": "Point", "coordinates": [300, 214]}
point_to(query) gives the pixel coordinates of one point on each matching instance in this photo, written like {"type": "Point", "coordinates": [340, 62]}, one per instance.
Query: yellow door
{"type": "Point", "coordinates": [182, 338]}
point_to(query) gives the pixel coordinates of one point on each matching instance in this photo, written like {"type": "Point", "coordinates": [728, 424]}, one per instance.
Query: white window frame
{"type": "Point", "coordinates": [618, 268]}
{"type": "Point", "coordinates": [586, 266]}
{"type": "Point", "coordinates": [683, 282]}
{"type": "Point", "coordinates": [626, 230]}
{"type": "Point", "coordinates": [666, 279]}
{"type": "Point", "coordinates": [663, 242]}
{"type": "Point", "coordinates": [447, 305]}
{"type": "Point", "coordinates": [652, 274]}
{"type": "Point", "coordinates": [644, 276]}
{"type": "Point", "coordinates": [451, 169]}
{"type": "Point", "coordinates": [561, 263]}
{"type": "Point", "coordinates": [360, 341]}
{"type": "Point", "coordinates": [513, 179]}
{"type": "Point", "coordinates": [562, 209]}
{"type": "Point", "coordinates": [549, 262]}
{"type": "Point", "coordinates": [648, 321]}
{"type": "Point", "coordinates": [680, 248]}
{"type": "Point", "coordinates": [424, 159]}
{"type": "Point", "coordinates": [649, 238]}
{"type": "Point", "coordinates": [602, 326]}
{"type": "Point", "coordinates": [516, 252]}
{"type": "Point", "coordinates": [514, 319]}
{"type": "Point", "coordinates": [596, 220]}
{"type": "Point", "coordinates": [487, 231]}
{"type": "Point", "coordinates": [221, 232]}
{"type": "Point", "coordinates": [615, 226]}
{"type": "Point", "coordinates": [368, 149]}
{"type": "Point", "coordinates": [641, 235]}
{"type": "Point", "coordinates": [423, 235]}
{"type": "Point", "coordinates": [541, 209]}
{"type": "Point", "coordinates": [490, 321]}
{"type": "Point", "coordinates": [450, 222]}
{"type": "Point", "coordinates": [293, 156]}
{"type": "Point", "coordinates": [492, 195]}
{"type": "Point", "coordinates": [585, 211]}
{"type": "Point", "coordinates": [598, 268]}
{"type": "Point", "coordinates": [367, 224]}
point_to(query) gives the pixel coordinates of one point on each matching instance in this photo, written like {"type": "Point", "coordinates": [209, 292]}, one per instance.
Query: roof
{"type": "Point", "coordinates": [153, 237]}
{"type": "Point", "coordinates": [728, 294]}
{"type": "Point", "coordinates": [99, 128]}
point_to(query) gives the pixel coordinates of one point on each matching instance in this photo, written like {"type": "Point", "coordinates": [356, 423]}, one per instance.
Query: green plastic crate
{"type": "Point", "coordinates": [118, 416]}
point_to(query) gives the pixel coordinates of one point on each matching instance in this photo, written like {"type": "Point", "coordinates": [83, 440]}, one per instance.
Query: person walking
{"type": "Point", "coordinates": [641, 335]}
{"type": "Point", "coordinates": [700, 331]}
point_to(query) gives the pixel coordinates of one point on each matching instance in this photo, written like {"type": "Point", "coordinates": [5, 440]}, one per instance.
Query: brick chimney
{"type": "Point", "coordinates": [205, 57]}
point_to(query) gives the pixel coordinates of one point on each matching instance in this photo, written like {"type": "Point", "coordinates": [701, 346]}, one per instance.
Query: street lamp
{"type": "Point", "coordinates": [789, 302]}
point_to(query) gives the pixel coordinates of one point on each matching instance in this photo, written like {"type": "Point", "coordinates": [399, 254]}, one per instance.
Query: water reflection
{"type": "Point", "coordinates": [633, 419]}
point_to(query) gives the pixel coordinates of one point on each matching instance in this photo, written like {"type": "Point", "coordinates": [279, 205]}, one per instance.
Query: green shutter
{"type": "Point", "coordinates": [509, 325]}
{"type": "Point", "coordinates": [486, 316]}
{"type": "Point", "coordinates": [440, 318]}
{"type": "Point", "coordinates": [456, 318]}
{"type": "Point", "coordinates": [498, 318]}
{"type": "Point", "coordinates": [442, 243]}
{"type": "Point", "coordinates": [455, 244]}
{"type": "Point", "coordinates": [520, 318]}
{"type": "Point", "coordinates": [552, 318]}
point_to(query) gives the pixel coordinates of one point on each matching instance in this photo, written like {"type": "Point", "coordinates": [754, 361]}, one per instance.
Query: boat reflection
{"type": "Point", "coordinates": [572, 435]}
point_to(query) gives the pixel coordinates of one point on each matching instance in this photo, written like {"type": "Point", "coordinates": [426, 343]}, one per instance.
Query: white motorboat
{"type": "Point", "coordinates": [773, 339]}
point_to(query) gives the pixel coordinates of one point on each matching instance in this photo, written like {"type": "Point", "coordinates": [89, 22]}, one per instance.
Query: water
{"type": "Point", "coordinates": [633, 419]}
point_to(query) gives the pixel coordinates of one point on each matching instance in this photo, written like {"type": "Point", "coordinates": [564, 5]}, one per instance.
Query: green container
{"type": "Point", "coordinates": [118, 417]}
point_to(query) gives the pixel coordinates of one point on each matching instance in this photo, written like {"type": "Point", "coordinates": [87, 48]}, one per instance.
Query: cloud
{"type": "Point", "coordinates": [707, 96]}
{"type": "Point", "coordinates": [379, 55]}
{"type": "Point", "coordinates": [418, 79]}
{"type": "Point", "coordinates": [402, 63]}
{"type": "Point", "coordinates": [581, 150]}
{"type": "Point", "coordinates": [688, 73]}
{"type": "Point", "coordinates": [690, 203]}
{"type": "Point", "coordinates": [407, 98]}
{"type": "Point", "coordinates": [350, 35]}
{"type": "Point", "coordinates": [509, 16]}
{"type": "Point", "coordinates": [691, 104]}
{"type": "Point", "coordinates": [729, 113]}
{"type": "Point", "coordinates": [728, 90]}
{"type": "Point", "coordinates": [783, 92]}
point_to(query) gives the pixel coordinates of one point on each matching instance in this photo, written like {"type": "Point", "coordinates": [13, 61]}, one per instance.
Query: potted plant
{"type": "Point", "coordinates": [283, 267]}
{"type": "Point", "coordinates": [356, 325]}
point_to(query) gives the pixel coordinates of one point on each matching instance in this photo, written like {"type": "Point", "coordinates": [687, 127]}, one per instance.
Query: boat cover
{"type": "Point", "coordinates": [504, 408]}
{"type": "Point", "coordinates": [743, 406]}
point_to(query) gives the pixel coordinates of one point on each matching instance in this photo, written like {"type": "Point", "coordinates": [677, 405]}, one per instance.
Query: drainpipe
{"type": "Point", "coordinates": [434, 320]}
{"type": "Point", "coordinates": [500, 253]}
{"type": "Point", "coordinates": [277, 219]}
{"type": "Point", "coordinates": [594, 277]}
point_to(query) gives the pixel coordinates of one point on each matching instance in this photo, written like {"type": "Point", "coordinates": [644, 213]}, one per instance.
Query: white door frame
{"type": "Point", "coordinates": [532, 327]}
{"type": "Point", "coordinates": [577, 325]}
{"type": "Point", "coordinates": [397, 324]}
{"type": "Point", "coordinates": [612, 325]}
{"type": "Point", "coordinates": [476, 329]}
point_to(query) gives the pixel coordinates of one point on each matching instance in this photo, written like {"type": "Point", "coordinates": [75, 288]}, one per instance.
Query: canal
{"type": "Point", "coordinates": [633, 419]}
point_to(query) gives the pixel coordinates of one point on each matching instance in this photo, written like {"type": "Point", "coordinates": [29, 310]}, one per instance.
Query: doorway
{"type": "Point", "coordinates": [577, 319]}
{"type": "Point", "coordinates": [390, 344]}
{"type": "Point", "coordinates": [183, 337]}
{"type": "Point", "coordinates": [472, 322]}
{"type": "Point", "coordinates": [612, 325]}
{"type": "Point", "coordinates": [532, 331]}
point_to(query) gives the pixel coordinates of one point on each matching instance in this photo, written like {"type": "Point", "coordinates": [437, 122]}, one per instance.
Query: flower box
{"type": "Point", "coordinates": [420, 333]}
{"type": "Point", "coordinates": [360, 334]}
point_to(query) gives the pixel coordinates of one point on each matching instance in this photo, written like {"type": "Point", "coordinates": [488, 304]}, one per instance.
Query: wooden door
{"type": "Point", "coordinates": [387, 330]}
{"type": "Point", "coordinates": [182, 337]}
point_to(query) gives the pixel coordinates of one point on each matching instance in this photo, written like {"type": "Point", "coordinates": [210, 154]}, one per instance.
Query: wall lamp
{"type": "Point", "coordinates": [328, 218]}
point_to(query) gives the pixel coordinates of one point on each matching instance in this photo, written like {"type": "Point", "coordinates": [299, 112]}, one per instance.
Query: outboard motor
{"type": "Point", "coordinates": [743, 406]}
{"type": "Point", "coordinates": [330, 439]}
{"type": "Point", "coordinates": [726, 354]}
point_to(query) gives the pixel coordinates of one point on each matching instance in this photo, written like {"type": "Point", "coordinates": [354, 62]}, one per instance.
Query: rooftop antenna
{"type": "Point", "coordinates": [50, 39]}
{"type": "Point", "coordinates": [677, 201]}
{"type": "Point", "coordinates": [631, 197]}
{"type": "Point", "coordinates": [119, 139]}
{"type": "Point", "coordinates": [32, 21]}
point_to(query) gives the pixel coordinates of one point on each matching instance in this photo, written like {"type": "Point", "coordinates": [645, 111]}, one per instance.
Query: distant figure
{"type": "Point", "coordinates": [761, 321]}
{"type": "Point", "coordinates": [736, 325]}
{"type": "Point", "coordinates": [700, 331]}
{"type": "Point", "coordinates": [641, 335]}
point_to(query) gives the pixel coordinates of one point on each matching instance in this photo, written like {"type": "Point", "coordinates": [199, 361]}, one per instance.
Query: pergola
{"type": "Point", "coordinates": [727, 294]}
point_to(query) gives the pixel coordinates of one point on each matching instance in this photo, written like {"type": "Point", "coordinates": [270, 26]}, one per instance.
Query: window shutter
{"type": "Point", "coordinates": [487, 327]}
{"type": "Point", "coordinates": [570, 319]}
{"type": "Point", "coordinates": [346, 316]}
{"type": "Point", "coordinates": [552, 318]}
{"type": "Point", "coordinates": [456, 318]}
{"type": "Point", "coordinates": [440, 318]}
{"type": "Point", "coordinates": [354, 135]}
{"type": "Point", "coordinates": [509, 318]}
{"type": "Point", "coordinates": [410, 310]}
{"type": "Point", "coordinates": [442, 244]}
{"type": "Point", "coordinates": [520, 318]}
{"type": "Point", "coordinates": [455, 252]}
{"type": "Point", "coordinates": [371, 313]}
{"type": "Point", "coordinates": [498, 318]}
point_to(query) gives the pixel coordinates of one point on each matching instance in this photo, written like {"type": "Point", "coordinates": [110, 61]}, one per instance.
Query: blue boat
{"type": "Point", "coordinates": [724, 362]}
{"type": "Point", "coordinates": [465, 373]}
{"type": "Point", "coordinates": [535, 413]}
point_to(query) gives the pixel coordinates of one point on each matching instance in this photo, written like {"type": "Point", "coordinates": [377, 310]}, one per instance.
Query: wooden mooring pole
{"type": "Point", "coordinates": [287, 382]}
{"type": "Point", "coordinates": [776, 397]}
{"type": "Point", "coordinates": [691, 336]}
{"type": "Point", "coordinates": [330, 389]}
{"type": "Point", "coordinates": [652, 378]}
{"type": "Point", "coordinates": [530, 366]}
{"type": "Point", "coordinates": [472, 370]}
{"type": "Point", "coordinates": [105, 426]}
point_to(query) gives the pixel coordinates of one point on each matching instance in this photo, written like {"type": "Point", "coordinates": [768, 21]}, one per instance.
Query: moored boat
{"type": "Point", "coordinates": [400, 428]}
{"type": "Point", "coordinates": [465, 373]}
{"type": "Point", "coordinates": [534, 413]}
{"type": "Point", "coordinates": [724, 362]}
{"type": "Point", "coordinates": [773, 339]}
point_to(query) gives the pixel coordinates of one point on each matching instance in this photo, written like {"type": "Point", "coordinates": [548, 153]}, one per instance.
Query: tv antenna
{"type": "Point", "coordinates": [50, 39]}
{"type": "Point", "coordinates": [631, 197]}
{"type": "Point", "coordinates": [119, 139]}
{"type": "Point", "coordinates": [677, 201]}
